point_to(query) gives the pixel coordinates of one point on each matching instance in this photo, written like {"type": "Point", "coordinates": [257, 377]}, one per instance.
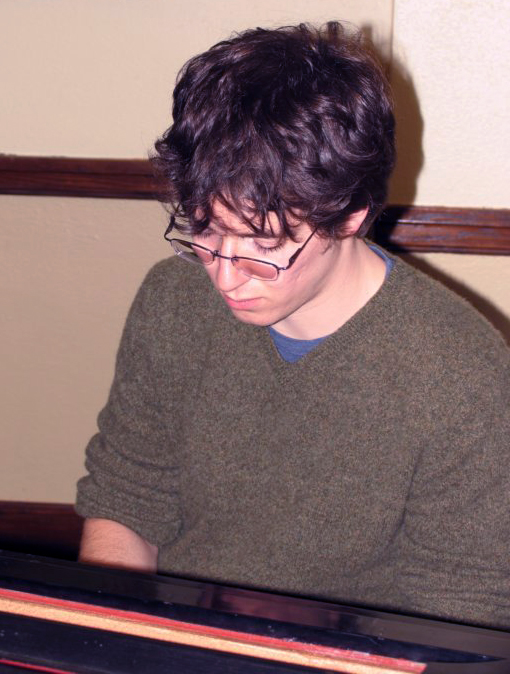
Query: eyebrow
{"type": "Point", "coordinates": [218, 222]}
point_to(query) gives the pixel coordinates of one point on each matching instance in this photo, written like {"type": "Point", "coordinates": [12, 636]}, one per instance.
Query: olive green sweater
{"type": "Point", "coordinates": [374, 471]}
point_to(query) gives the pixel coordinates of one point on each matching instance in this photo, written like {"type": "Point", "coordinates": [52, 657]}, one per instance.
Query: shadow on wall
{"type": "Point", "coordinates": [409, 125]}
{"type": "Point", "coordinates": [409, 134]}
{"type": "Point", "coordinates": [486, 308]}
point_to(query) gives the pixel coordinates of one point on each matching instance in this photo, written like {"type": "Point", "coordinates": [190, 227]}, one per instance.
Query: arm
{"type": "Point", "coordinates": [133, 464]}
{"type": "Point", "coordinates": [108, 543]}
{"type": "Point", "coordinates": [454, 539]}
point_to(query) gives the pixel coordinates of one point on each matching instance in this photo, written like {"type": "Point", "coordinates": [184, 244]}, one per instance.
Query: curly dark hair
{"type": "Point", "coordinates": [297, 121]}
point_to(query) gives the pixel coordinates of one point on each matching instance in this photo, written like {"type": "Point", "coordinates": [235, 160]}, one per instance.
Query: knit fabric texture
{"type": "Point", "coordinates": [373, 471]}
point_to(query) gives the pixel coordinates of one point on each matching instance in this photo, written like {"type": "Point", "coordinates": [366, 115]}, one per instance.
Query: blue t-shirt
{"type": "Point", "coordinates": [291, 349]}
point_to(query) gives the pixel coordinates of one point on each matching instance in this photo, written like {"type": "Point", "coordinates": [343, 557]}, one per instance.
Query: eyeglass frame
{"type": "Point", "coordinates": [217, 254]}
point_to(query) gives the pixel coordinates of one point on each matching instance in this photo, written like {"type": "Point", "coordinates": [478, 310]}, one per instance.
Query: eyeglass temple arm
{"type": "Point", "coordinates": [295, 256]}
{"type": "Point", "coordinates": [169, 229]}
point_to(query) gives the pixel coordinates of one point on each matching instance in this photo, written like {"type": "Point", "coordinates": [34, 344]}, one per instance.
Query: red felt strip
{"type": "Point", "coordinates": [34, 668]}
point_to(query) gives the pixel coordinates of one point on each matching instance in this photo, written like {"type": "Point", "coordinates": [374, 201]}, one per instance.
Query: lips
{"type": "Point", "coordinates": [247, 303]}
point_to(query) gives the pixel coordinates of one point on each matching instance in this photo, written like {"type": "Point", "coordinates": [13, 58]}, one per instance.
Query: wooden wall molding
{"type": "Point", "coordinates": [401, 228]}
{"type": "Point", "coordinates": [445, 230]}
{"type": "Point", "coordinates": [66, 177]}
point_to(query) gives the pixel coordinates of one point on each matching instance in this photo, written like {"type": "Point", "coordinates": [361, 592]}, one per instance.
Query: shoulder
{"type": "Point", "coordinates": [436, 317]}
{"type": "Point", "coordinates": [171, 278]}
{"type": "Point", "coordinates": [175, 288]}
{"type": "Point", "coordinates": [174, 305]}
{"type": "Point", "coordinates": [439, 344]}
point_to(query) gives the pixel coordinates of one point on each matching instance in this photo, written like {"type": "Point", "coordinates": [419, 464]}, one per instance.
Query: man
{"type": "Point", "coordinates": [297, 410]}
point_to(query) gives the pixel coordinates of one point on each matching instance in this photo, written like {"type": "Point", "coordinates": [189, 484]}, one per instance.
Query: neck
{"type": "Point", "coordinates": [355, 276]}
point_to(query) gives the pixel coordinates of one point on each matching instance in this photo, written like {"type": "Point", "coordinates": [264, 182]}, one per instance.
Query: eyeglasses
{"type": "Point", "coordinates": [258, 269]}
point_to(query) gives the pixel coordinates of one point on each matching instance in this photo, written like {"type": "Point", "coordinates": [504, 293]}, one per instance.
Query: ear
{"type": "Point", "coordinates": [354, 222]}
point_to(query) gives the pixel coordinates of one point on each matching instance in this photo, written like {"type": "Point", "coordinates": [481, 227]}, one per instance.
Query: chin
{"type": "Point", "coordinates": [254, 318]}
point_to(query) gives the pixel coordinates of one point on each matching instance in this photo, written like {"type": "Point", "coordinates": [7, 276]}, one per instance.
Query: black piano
{"type": "Point", "coordinates": [59, 617]}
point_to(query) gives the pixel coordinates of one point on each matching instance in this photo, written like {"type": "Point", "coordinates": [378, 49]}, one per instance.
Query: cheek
{"type": "Point", "coordinates": [288, 287]}
{"type": "Point", "coordinates": [210, 271]}
{"type": "Point", "coordinates": [298, 278]}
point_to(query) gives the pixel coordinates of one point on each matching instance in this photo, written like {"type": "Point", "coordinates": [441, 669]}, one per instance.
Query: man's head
{"type": "Point", "coordinates": [294, 123]}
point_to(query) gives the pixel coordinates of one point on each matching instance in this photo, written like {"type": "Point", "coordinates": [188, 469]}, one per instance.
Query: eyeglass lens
{"type": "Point", "coordinates": [251, 268]}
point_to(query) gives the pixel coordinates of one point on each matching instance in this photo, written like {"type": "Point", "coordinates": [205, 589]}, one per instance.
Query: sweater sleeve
{"type": "Point", "coordinates": [454, 545]}
{"type": "Point", "coordinates": [133, 475]}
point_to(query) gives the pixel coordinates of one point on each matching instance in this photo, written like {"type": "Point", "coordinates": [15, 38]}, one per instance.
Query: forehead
{"type": "Point", "coordinates": [225, 221]}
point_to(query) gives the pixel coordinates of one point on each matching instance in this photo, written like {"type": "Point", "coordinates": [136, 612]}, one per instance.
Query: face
{"type": "Point", "coordinates": [298, 293]}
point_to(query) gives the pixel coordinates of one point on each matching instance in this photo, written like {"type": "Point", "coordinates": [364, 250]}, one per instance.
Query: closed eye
{"type": "Point", "coordinates": [203, 234]}
{"type": "Point", "coordinates": [268, 249]}
{"type": "Point", "coordinates": [265, 250]}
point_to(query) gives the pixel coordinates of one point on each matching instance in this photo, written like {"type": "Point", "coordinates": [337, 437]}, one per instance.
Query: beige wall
{"type": "Point", "coordinates": [70, 268]}
{"type": "Point", "coordinates": [457, 52]}
{"type": "Point", "coordinates": [93, 78]}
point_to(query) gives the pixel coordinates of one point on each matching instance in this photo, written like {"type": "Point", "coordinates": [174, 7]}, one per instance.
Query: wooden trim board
{"type": "Point", "coordinates": [401, 228]}
{"type": "Point", "coordinates": [202, 636]}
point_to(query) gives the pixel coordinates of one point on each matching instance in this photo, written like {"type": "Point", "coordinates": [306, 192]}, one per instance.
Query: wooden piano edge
{"type": "Point", "coordinates": [202, 636]}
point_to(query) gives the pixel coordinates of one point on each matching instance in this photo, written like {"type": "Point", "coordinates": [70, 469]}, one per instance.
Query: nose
{"type": "Point", "coordinates": [225, 276]}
